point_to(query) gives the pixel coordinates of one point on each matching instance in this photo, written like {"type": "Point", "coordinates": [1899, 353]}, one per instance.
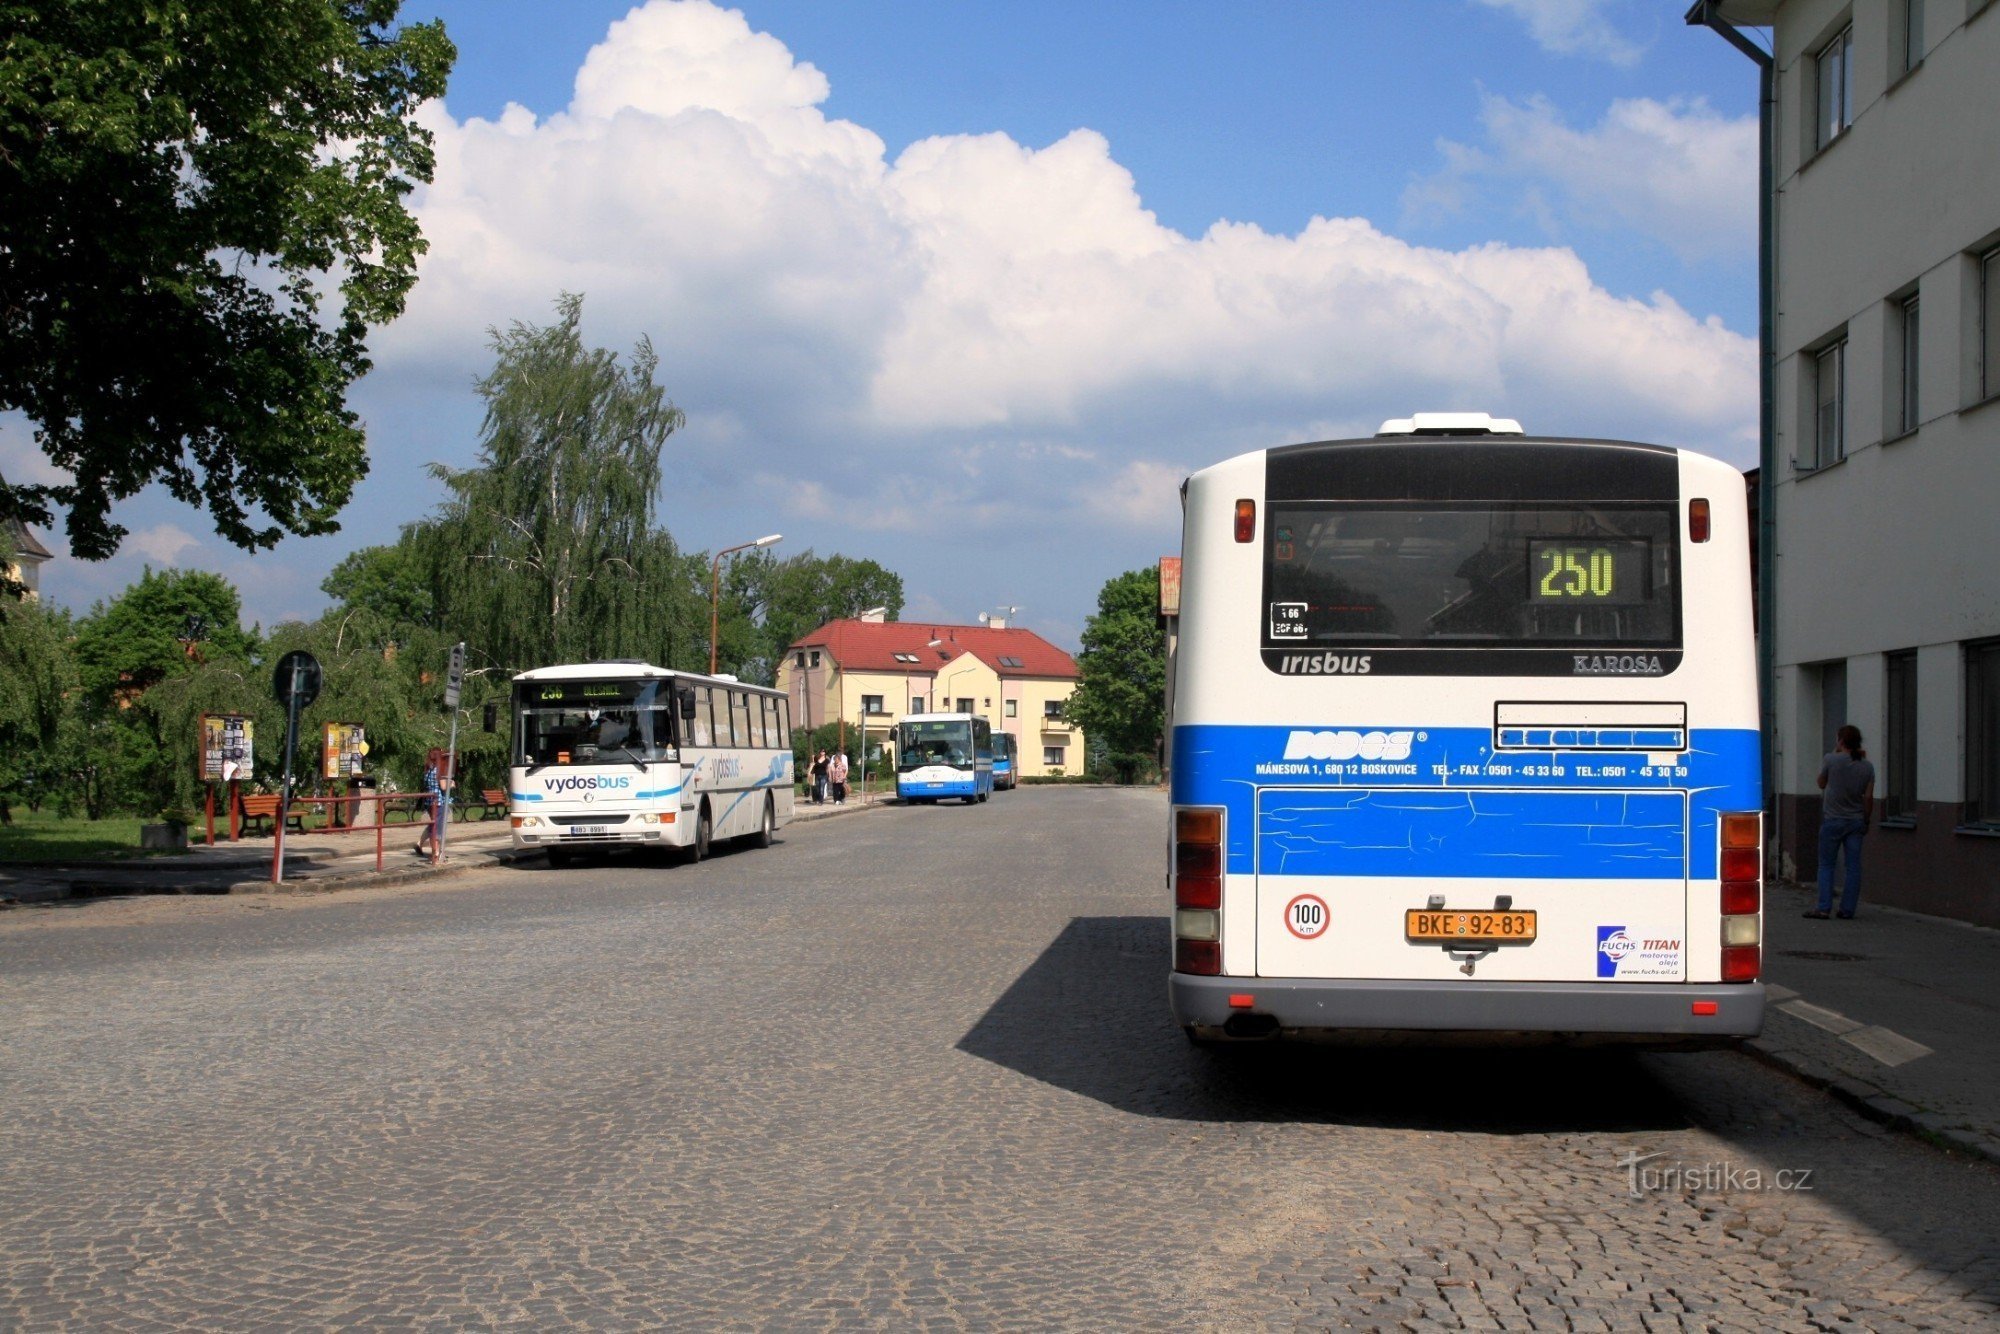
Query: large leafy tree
{"type": "Point", "coordinates": [546, 550]}
{"type": "Point", "coordinates": [1120, 701]}
{"type": "Point", "coordinates": [37, 679]}
{"type": "Point", "coordinates": [180, 186]}
{"type": "Point", "coordinates": [768, 603]}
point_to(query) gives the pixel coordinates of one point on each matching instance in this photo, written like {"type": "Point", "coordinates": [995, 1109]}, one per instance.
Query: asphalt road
{"type": "Point", "coordinates": [909, 1068]}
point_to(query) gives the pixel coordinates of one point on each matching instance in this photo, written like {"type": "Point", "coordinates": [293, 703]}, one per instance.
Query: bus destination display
{"type": "Point", "coordinates": [1596, 572]}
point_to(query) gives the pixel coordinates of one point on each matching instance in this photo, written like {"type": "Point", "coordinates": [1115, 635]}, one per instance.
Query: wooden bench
{"type": "Point", "coordinates": [492, 803]}
{"type": "Point", "coordinates": [414, 806]}
{"type": "Point", "coordinates": [264, 807]}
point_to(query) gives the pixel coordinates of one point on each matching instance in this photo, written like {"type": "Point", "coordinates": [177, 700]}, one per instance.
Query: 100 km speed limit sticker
{"type": "Point", "coordinates": [1306, 916]}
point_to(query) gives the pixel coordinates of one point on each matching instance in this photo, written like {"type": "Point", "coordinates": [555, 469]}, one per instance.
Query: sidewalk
{"type": "Point", "coordinates": [314, 863]}
{"type": "Point", "coordinates": [1895, 1013]}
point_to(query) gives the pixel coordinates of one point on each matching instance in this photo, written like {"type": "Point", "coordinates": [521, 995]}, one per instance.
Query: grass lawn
{"type": "Point", "coordinates": [47, 837]}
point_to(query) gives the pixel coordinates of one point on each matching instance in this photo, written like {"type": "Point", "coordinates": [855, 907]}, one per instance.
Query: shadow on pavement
{"type": "Point", "coordinates": [1090, 1015]}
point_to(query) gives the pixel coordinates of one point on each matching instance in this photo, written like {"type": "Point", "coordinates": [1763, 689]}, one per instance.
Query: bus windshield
{"type": "Point", "coordinates": [1387, 575]}
{"type": "Point", "coordinates": [948, 743]}
{"type": "Point", "coordinates": [594, 722]}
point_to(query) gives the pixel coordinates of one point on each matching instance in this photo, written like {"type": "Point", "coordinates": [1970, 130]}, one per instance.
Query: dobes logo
{"type": "Point", "coordinates": [1349, 745]}
{"type": "Point", "coordinates": [586, 783]}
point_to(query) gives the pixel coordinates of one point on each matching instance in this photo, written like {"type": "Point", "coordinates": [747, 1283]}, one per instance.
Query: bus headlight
{"type": "Point", "coordinates": [526, 821]}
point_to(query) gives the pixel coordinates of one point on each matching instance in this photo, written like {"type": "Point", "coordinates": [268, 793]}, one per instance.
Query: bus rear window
{"type": "Point", "coordinates": [1517, 576]}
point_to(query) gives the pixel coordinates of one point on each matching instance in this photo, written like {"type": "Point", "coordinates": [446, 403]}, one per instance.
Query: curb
{"type": "Point", "coordinates": [1883, 1108]}
{"type": "Point", "coordinates": [333, 884]}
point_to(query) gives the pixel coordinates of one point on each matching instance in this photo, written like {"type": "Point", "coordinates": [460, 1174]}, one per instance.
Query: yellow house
{"type": "Point", "coordinates": [871, 672]}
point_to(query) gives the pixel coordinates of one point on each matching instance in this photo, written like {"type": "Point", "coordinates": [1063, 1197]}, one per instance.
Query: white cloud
{"type": "Point", "coordinates": [162, 543]}
{"type": "Point", "coordinates": [996, 343]}
{"type": "Point", "coordinates": [1572, 27]}
{"type": "Point", "coordinates": [1678, 171]}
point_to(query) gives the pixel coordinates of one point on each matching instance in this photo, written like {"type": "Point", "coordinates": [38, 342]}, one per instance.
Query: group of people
{"type": "Point", "coordinates": [829, 778]}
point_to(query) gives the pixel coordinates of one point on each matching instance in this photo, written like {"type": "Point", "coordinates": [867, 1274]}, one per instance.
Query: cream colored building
{"type": "Point", "coordinates": [22, 555]}
{"type": "Point", "coordinates": [1886, 337]}
{"type": "Point", "coordinates": [871, 673]}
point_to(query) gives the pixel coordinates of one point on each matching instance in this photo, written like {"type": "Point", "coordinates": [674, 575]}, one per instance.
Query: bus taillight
{"type": "Point", "coordinates": [1246, 521]}
{"type": "Point", "coordinates": [1198, 890]}
{"type": "Point", "coordinates": [1698, 520]}
{"type": "Point", "coordinates": [1742, 877]}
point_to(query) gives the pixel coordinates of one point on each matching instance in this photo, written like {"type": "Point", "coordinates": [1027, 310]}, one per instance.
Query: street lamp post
{"type": "Point", "coordinates": [715, 590]}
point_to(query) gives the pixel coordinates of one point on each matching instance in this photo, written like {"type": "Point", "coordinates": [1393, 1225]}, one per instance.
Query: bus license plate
{"type": "Point", "coordinates": [576, 829]}
{"type": "Point", "coordinates": [1474, 927]}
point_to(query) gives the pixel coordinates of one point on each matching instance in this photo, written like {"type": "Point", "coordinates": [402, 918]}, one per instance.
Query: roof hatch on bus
{"type": "Point", "coordinates": [1450, 423]}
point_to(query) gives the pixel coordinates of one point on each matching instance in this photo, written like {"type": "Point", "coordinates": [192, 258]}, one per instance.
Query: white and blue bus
{"type": "Point", "coordinates": [1465, 742]}
{"type": "Point", "coordinates": [625, 754]}
{"type": "Point", "coordinates": [1006, 762]}
{"type": "Point", "coordinates": [942, 755]}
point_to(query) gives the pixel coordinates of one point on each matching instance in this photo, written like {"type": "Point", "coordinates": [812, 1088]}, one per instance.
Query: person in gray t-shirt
{"type": "Point", "coordinates": [1848, 781]}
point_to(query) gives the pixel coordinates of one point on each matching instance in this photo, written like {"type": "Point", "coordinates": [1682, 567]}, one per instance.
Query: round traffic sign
{"type": "Point", "coordinates": [297, 673]}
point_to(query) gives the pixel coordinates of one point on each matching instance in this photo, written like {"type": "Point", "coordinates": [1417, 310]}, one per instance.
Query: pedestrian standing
{"type": "Point", "coordinates": [1848, 780]}
{"type": "Point", "coordinates": [819, 778]}
{"type": "Point", "coordinates": [836, 772]}
{"type": "Point", "coordinates": [433, 803]}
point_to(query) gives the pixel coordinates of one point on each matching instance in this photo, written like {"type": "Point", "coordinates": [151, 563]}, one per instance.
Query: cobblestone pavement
{"type": "Point", "coordinates": [910, 1069]}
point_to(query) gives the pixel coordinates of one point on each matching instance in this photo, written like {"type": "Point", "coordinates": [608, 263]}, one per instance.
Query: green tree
{"type": "Point", "coordinates": [1120, 701]}
{"type": "Point", "coordinates": [770, 602]}
{"type": "Point", "coordinates": [37, 680]}
{"type": "Point", "coordinates": [388, 582]}
{"type": "Point", "coordinates": [180, 186]}
{"type": "Point", "coordinates": [546, 550]}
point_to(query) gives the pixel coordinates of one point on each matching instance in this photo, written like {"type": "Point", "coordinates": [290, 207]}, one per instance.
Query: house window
{"type": "Point", "coordinates": [1832, 703]}
{"type": "Point", "coordinates": [1052, 708]}
{"type": "Point", "coordinates": [964, 706]}
{"type": "Point", "coordinates": [1052, 756]}
{"type": "Point", "coordinates": [1899, 737]}
{"type": "Point", "coordinates": [872, 704]}
{"type": "Point", "coordinates": [1907, 366]}
{"type": "Point", "coordinates": [1836, 86]}
{"type": "Point", "coordinates": [1909, 51]}
{"type": "Point", "coordinates": [1011, 706]}
{"type": "Point", "coordinates": [815, 657]}
{"type": "Point", "coordinates": [1982, 733]}
{"type": "Point", "coordinates": [1829, 366]}
{"type": "Point", "coordinates": [917, 704]}
{"type": "Point", "coordinates": [799, 659]}
{"type": "Point", "coordinates": [1989, 324]}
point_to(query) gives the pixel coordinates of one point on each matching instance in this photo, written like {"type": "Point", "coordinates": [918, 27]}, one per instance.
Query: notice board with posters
{"type": "Point", "coordinates": [342, 746]}
{"type": "Point", "coordinates": [226, 743]}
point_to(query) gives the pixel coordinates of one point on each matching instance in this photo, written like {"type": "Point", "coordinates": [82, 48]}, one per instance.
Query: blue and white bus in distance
{"type": "Point", "coordinates": [942, 755]}
{"type": "Point", "coordinates": [1465, 742]}
{"type": "Point", "coordinates": [1006, 762]}
{"type": "Point", "coordinates": [625, 754]}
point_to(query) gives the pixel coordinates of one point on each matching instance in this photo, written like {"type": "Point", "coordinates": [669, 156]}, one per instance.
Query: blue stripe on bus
{"type": "Point", "coordinates": [1440, 832]}
{"type": "Point", "coordinates": [1228, 766]}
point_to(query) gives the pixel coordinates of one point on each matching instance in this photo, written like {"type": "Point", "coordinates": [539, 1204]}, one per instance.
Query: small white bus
{"type": "Point", "coordinates": [1465, 742]}
{"type": "Point", "coordinates": [625, 754]}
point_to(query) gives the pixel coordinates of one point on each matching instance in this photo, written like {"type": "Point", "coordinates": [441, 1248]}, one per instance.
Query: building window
{"type": "Point", "coordinates": [917, 704]}
{"type": "Point", "coordinates": [1832, 703]}
{"type": "Point", "coordinates": [1909, 38]}
{"type": "Point", "coordinates": [1836, 86]}
{"type": "Point", "coordinates": [1982, 733]}
{"type": "Point", "coordinates": [964, 706]}
{"type": "Point", "coordinates": [799, 659]}
{"type": "Point", "coordinates": [872, 704]}
{"type": "Point", "coordinates": [1907, 418]}
{"type": "Point", "coordinates": [815, 657]}
{"type": "Point", "coordinates": [1052, 708]}
{"type": "Point", "coordinates": [1052, 756]}
{"type": "Point", "coordinates": [1829, 397]}
{"type": "Point", "coordinates": [1989, 323]}
{"type": "Point", "coordinates": [1011, 706]}
{"type": "Point", "coordinates": [1899, 737]}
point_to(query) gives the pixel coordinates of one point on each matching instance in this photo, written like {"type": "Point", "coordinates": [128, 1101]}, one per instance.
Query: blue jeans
{"type": "Point", "coordinates": [1842, 836]}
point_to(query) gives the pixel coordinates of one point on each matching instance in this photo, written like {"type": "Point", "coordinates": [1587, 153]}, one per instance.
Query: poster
{"type": "Point", "coordinates": [226, 743]}
{"type": "Point", "coordinates": [341, 749]}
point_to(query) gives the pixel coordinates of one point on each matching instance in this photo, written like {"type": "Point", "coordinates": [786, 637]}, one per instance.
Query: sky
{"type": "Point", "coordinates": [967, 289]}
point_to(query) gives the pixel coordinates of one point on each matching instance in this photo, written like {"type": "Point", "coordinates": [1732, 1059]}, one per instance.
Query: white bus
{"type": "Point", "coordinates": [1465, 742]}
{"type": "Point", "coordinates": [624, 754]}
{"type": "Point", "coordinates": [941, 755]}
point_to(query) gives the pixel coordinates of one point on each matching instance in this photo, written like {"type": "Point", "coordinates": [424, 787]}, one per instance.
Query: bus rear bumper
{"type": "Point", "coordinates": [1646, 1013]}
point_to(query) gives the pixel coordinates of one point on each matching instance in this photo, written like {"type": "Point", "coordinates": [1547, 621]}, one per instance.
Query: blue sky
{"type": "Point", "coordinates": [967, 288]}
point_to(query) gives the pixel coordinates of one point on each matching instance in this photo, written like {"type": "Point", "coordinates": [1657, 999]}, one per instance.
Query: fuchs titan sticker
{"type": "Point", "coordinates": [1618, 664]}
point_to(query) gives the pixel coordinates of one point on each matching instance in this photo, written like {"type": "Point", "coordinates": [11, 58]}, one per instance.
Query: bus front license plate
{"type": "Point", "coordinates": [576, 829]}
{"type": "Point", "coordinates": [1474, 927]}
